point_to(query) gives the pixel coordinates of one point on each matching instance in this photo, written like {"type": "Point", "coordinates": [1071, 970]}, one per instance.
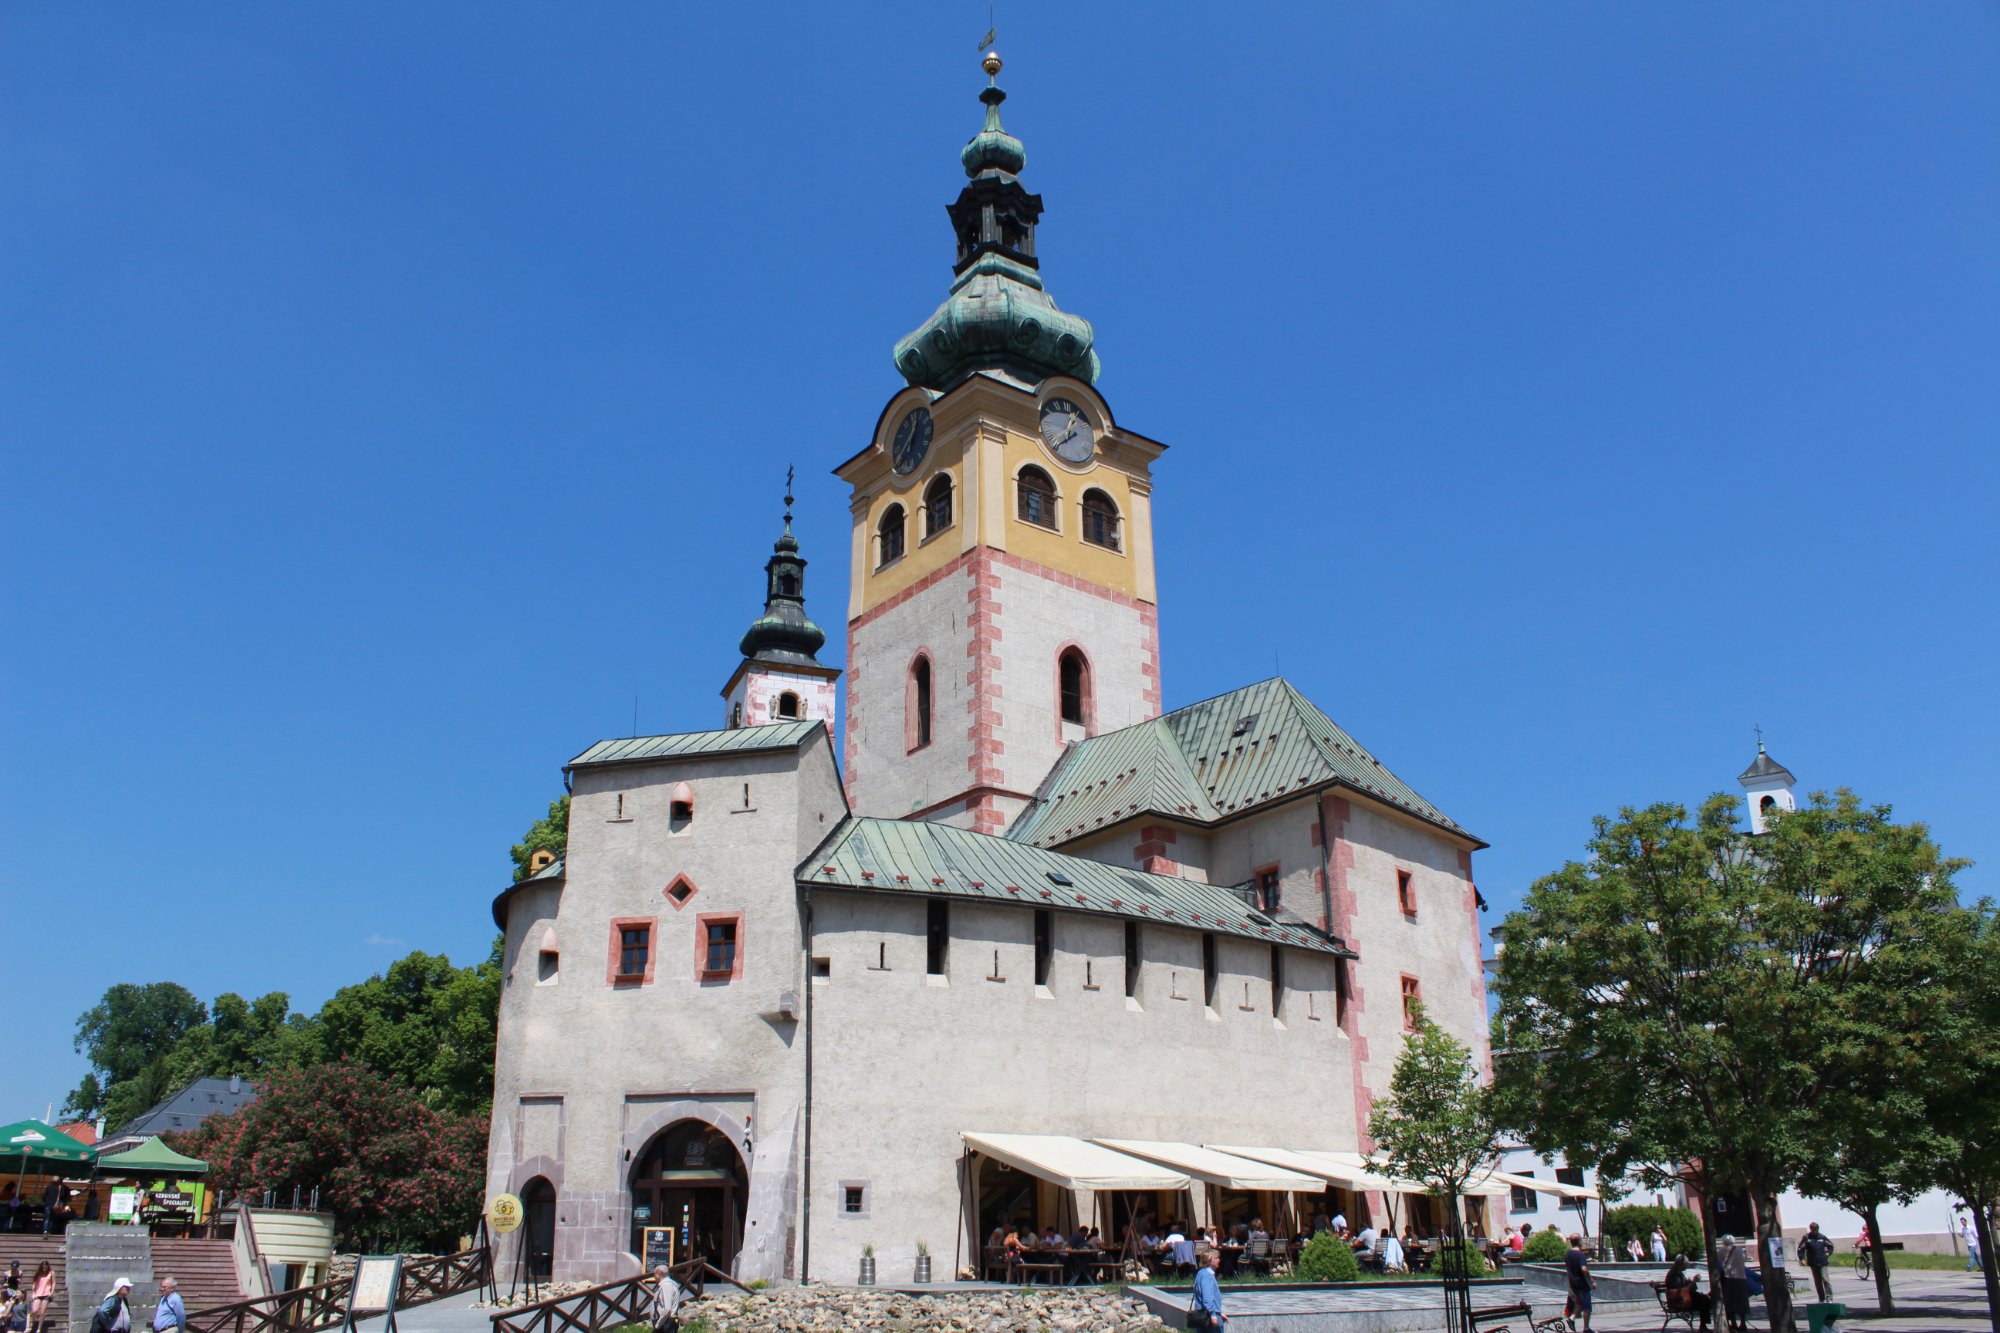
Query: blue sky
{"type": "Point", "coordinates": [391, 394]}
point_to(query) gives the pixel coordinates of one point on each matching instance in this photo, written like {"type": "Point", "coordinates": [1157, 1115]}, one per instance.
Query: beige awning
{"type": "Point", "coordinates": [1514, 1179]}
{"type": "Point", "coordinates": [1219, 1168]}
{"type": "Point", "coordinates": [1076, 1164]}
{"type": "Point", "coordinates": [1324, 1165]}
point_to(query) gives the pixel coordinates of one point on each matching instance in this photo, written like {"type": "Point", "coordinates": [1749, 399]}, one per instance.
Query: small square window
{"type": "Point", "coordinates": [851, 1199]}
{"type": "Point", "coordinates": [721, 938]}
{"type": "Point", "coordinates": [822, 967]}
{"type": "Point", "coordinates": [546, 965]}
{"type": "Point", "coordinates": [1406, 892]}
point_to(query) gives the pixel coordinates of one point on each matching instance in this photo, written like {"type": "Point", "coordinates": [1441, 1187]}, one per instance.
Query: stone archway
{"type": "Point", "coordinates": [691, 1177]}
{"type": "Point", "coordinates": [538, 1228]}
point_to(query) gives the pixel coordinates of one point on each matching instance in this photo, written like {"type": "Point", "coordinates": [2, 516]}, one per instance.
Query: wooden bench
{"type": "Point", "coordinates": [1489, 1319]}
{"type": "Point", "coordinates": [1671, 1311]}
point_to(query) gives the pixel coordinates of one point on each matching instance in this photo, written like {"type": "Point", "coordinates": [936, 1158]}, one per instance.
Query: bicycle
{"type": "Point", "coordinates": [1864, 1267]}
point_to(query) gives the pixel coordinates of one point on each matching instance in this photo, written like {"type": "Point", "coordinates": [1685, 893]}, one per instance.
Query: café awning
{"type": "Point", "coordinates": [1219, 1168]}
{"type": "Point", "coordinates": [28, 1143]}
{"type": "Point", "coordinates": [151, 1158]}
{"type": "Point", "coordinates": [1076, 1164]}
{"type": "Point", "coordinates": [1515, 1180]}
{"type": "Point", "coordinates": [1323, 1166]}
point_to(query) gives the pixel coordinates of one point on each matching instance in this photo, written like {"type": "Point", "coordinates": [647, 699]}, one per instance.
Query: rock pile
{"type": "Point", "coordinates": [825, 1309]}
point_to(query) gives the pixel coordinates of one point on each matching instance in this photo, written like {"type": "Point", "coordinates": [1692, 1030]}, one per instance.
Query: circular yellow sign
{"type": "Point", "coordinates": [504, 1213]}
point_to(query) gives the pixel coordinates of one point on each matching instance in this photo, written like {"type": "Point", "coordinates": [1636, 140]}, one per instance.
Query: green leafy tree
{"type": "Point", "coordinates": [396, 1174]}
{"type": "Point", "coordinates": [550, 834]}
{"type": "Point", "coordinates": [426, 1024]}
{"type": "Point", "coordinates": [1961, 1102]}
{"type": "Point", "coordinates": [1436, 1125]}
{"type": "Point", "coordinates": [1327, 1258]}
{"type": "Point", "coordinates": [247, 1037]}
{"type": "Point", "coordinates": [1684, 994]}
{"type": "Point", "coordinates": [127, 1036]}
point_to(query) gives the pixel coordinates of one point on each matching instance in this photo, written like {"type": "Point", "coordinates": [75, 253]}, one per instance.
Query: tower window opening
{"type": "Point", "coordinates": [680, 814]}
{"type": "Point", "coordinates": [1100, 520]}
{"type": "Point", "coordinates": [1277, 979]}
{"type": "Point", "coordinates": [1035, 498]}
{"type": "Point", "coordinates": [1131, 960]}
{"type": "Point", "coordinates": [937, 505]}
{"type": "Point", "coordinates": [1413, 1002]}
{"type": "Point", "coordinates": [937, 937]}
{"type": "Point", "coordinates": [890, 532]}
{"type": "Point", "coordinates": [1045, 944]}
{"type": "Point", "coordinates": [920, 704]}
{"type": "Point", "coordinates": [1768, 804]}
{"type": "Point", "coordinates": [736, 715]}
{"type": "Point", "coordinates": [1075, 685]}
{"type": "Point", "coordinates": [1406, 892]}
{"type": "Point", "coordinates": [1209, 971]}
{"type": "Point", "coordinates": [788, 705]}
{"type": "Point", "coordinates": [1268, 890]}
{"type": "Point", "coordinates": [788, 584]}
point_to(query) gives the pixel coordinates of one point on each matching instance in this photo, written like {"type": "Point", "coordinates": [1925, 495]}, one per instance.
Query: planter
{"type": "Point", "coordinates": [923, 1268]}
{"type": "Point", "coordinates": [868, 1270]}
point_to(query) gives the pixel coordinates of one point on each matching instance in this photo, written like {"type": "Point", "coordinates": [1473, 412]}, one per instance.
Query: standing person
{"type": "Point", "coordinates": [1581, 1283]}
{"type": "Point", "coordinates": [171, 1315]}
{"type": "Point", "coordinates": [1970, 1236]}
{"type": "Point", "coordinates": [1205, 1310]}
{"type": "Point", "coordinates": [1814, 1251]}
{"type": "Point", "coordinates": [1735, 1286]}
{"type": "Point", "coordinates": [115, 1314]}
{"type": "Point", "coordinates": [667, 1294]}
{"type": "Point", "coordinates": [1659, 1245]}
{"type": "Point", "coordinates": [39, 1298]}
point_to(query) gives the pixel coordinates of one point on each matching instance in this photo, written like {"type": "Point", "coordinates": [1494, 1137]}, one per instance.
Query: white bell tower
{"type": "Point", "coordinates": [1767, 788]}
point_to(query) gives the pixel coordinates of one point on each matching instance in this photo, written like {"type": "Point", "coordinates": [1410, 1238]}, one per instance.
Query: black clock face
{"type": "Point", "coordinates": [1067, 430]}
{"type": "Point", "coordinates": [913, 440]}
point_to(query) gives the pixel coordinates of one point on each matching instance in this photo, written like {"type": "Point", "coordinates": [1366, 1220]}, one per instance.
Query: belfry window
{"type": "Point", "coordinates": [788, 705]}
{"type": "Point", "coordinates": [1035, 498]}
{"type": "Point", "coordinates": [788, 584]}
{"type": "Point", "coordinates": [1045, 944]}
{"type": "Point", "coordinates": [890, 530]}
{"type": "Point", "coordinates": [919, 727]}
{"type": "Point", "coordinates": [1100, 519]}
{"type": "Point", "coordinates": [1074, 680]}
{"type": "Point", "coordinates": [937, 505]}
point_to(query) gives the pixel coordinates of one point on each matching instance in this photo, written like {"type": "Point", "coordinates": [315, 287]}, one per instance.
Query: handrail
{"type": "Point", "coordinates": [303, 1308]}
{"type": "Point", "coordinates": [626, 1301]}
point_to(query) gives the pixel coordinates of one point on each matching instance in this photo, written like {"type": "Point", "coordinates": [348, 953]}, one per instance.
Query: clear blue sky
{"type": "Point", "coordinates": [392, 393]}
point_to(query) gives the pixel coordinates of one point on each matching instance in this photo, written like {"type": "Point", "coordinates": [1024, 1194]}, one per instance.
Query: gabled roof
{"type": "Point", "coordinates": [1764, 768]}
{"type": "Point", "coordinates": [732, 740]}
{"type": "Point", "coordinates": [1209, 762]}
{"type": "Point", "coordinates": [933, 860]}
{"type": "Point", "coordinates": [187, 1108]}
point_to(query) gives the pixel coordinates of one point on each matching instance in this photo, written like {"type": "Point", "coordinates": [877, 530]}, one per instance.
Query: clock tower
{"type": "Point", "coordinates": [1002, 603]}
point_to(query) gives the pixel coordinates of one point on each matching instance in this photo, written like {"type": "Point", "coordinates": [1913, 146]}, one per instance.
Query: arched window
{"type": "Point", "coordinates": [1035, 497]}
{"type": "Point", "coordinates": [917, 718]}
{"type": "Point", "coordinates": [788, 584]}
{"type": "Point", "coordinates": [736, 714]}
{"type": "Point", "coordinates": [1073, 672]}
{"type": "Point", "coordinates": [1767, 805]}
{"type": "Point", "coordinates": [937, 505]}
{"type": "Point", "coordinates": [788, 705]}
{"type": "Point", "coordinates": [1100, 519]}
{"type": "Point", "coordinates": [680, 808]}
{"type": "Point", "coordinates": [891, 530]}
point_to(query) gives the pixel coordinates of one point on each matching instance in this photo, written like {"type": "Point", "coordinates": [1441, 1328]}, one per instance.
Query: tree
{"type": "Point", "coordinates": [1960, 1104]}
{"type": "Point", "coordinates": [245, 1037]}
{"type": "Point", "coordinates": [1686, 992]}
{"type": "Point", "coordinates": [397, 1175]}
{"type": "Point", "coordinates": [1436, 1125]}
{"type": "Point", "coordinates": [426, 1024]}
{"type": "Point", "coordinates": [550, 834]}
{"type": "Point", "coordinates": [127, 1037]}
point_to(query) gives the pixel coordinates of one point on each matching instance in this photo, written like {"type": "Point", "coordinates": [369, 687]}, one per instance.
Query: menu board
{"type": "Point", "coordinates": [659, 1248]}
{"type": "Point", "coordinates": [375, 1279]}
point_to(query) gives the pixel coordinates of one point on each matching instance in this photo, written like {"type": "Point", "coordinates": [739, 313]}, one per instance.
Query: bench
{"type": "Point", "coordinates": [1489, 1319]}
{"type": "Point", "coordinates": [1667, 1308]}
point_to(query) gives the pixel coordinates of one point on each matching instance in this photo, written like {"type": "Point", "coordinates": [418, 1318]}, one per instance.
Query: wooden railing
{"type": "Point", "coordinates": [323, 1306]}
{"type": "Point", "coordinates": [629, 1301]}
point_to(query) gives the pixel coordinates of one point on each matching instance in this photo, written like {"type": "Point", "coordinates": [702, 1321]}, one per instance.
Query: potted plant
{"type": "Point", "coordinates": [923, 1262]}
{"type": "Point", "coordinates": [868, 1264]}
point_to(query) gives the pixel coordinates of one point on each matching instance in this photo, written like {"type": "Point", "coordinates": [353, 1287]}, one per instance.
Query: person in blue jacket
{"type": "Point", "coordinates": [1206, 1311]}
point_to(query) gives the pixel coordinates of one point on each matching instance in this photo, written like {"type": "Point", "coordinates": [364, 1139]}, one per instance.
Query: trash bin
{"type": "Point", "coordinates": [1820, 1316]}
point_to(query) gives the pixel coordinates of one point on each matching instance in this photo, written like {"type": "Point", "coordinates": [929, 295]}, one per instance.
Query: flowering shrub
{"type": "Point", "coordinates": [395, 1174]}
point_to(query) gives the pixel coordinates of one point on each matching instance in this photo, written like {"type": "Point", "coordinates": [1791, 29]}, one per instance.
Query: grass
{"type": "Point", "coordinates": [1936, 1262]}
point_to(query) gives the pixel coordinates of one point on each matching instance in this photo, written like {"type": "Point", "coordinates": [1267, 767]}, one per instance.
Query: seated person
{"type": "Point", "coordinates": [1052, 1239]}
{"type": "Point", "coordinates": [1257, 1231]}
{"type": "Point", "coordinates": [1366, 1241]}
{"type": "Point", "coordinates": [1683, 1292]}
{"type": "Point", "coordinates": [998, 1238]}
{"type": "Point", "coordinates": [1151, 1240]}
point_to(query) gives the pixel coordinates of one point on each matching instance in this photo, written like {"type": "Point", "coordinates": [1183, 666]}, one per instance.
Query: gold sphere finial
{"type": "Point", "coordinates": [991, 64]}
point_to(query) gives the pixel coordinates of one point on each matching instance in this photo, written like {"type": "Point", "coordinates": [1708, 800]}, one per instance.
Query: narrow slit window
{"type": "Point", "coordinates": [937, 941]}
{"type": "Point", "coordinates": [1074, 677]}
{"type": "Point", "coordinates": [1267, 888]}
{"type": "Point", "coordinates": [1131, 960]}
{"type": "Point", "coordinates": [1406, 892]}
{"type": "Point", "coordinates": [1340, 991]}
{"type": "Point", "coordinates": [1209, 972]}
{"type": "Point", "coordinates": [920, 703]}
{"type": "Point", "coordinates": [1045, 944]}
{"type": "Point", "coordinates": [1277, 980]}
{"type": "Point", "coordinates": [1413, 1003]}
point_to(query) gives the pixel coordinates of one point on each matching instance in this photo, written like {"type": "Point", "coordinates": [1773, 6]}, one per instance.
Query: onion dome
{"type": "Point", "coordinates": [783, 634]}
{"type": "Point", "coordinates": [998, 315]}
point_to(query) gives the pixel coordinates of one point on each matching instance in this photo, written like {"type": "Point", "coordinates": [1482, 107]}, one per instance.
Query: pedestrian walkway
{"type": "Point", "coordinates": [453, 1314]}
{"type": "Point", "coordinates": [1926, 1302]}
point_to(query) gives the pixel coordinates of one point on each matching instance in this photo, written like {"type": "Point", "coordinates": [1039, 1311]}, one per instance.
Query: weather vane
{"type": "Point", "coordinates": [992, 28]}
{"type": "Point", "coordinates": [1760, 735]}
{"type": "Point", "coordinates": [788, 494]}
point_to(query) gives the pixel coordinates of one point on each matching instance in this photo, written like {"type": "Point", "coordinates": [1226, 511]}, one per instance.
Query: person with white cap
{"type": "Point", "coordinates": [115, 1314]}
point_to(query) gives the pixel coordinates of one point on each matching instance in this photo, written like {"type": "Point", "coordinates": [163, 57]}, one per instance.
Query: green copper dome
{"type": "Point", "coordinates": [998, 315]}
{"type": "Point", "coordinates": [783, 634]}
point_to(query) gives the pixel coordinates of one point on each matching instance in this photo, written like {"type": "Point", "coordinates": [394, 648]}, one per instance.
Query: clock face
{"type": "Point", "coordinates": [1068, 431]}
{"type": "Point", "coordinates": [913, 440]}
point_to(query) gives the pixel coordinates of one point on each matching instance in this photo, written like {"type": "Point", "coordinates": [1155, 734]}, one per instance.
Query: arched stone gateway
{"type": "Point", "coordinates": [691, 1178]}
{"type": "Point", "coordinates": [538, 1202]}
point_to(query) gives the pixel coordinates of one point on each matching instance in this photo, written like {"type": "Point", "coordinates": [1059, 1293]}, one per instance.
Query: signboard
{"type": "Point", "coordinates": [659, 1247]}
{"type": "Point", "coordinates": [1776, 1247]}
{"type": "Point", "coordinates": [375, 1278]}
{"type": "Point", "coordinates": [124, 1202]}
{"type": "Point", "coordinates": [504, 1214]}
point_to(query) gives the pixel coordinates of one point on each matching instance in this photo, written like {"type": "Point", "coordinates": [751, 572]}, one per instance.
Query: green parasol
{"type": "Point", "coordinates": [29, 1142]}
{"type": "Point", "coordinates": [151, 1158]}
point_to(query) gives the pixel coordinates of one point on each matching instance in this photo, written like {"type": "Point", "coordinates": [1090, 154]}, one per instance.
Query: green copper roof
{"type": "Point", "coordinates": [1208, 762]}
{"type": "Point", "coordinates": [913, 856]}
{"type": "Point", "coordinates": [735, 740]}
{"type": "Point", "coordinates": [998, 315]}
{"type": "Point", "coordinates": [784, 634]}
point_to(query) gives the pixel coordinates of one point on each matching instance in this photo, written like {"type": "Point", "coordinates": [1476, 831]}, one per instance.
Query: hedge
{"type": "Point", "coordinates": [1683, 1229]}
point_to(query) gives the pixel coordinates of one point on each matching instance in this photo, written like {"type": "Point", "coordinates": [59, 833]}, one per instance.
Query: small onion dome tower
{"type": "Point", "coordinates": [781, 679]}
{"type": "Point", "coordinates": [998, 317]}
{"type": "Point", "coordinates": [1767, 786]}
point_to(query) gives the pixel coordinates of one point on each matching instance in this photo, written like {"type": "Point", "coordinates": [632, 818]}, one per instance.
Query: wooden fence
{"type": "Point", "coordinates": [323, 1306]}
{"type": "Point", "coordinates": [629, 1301]}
